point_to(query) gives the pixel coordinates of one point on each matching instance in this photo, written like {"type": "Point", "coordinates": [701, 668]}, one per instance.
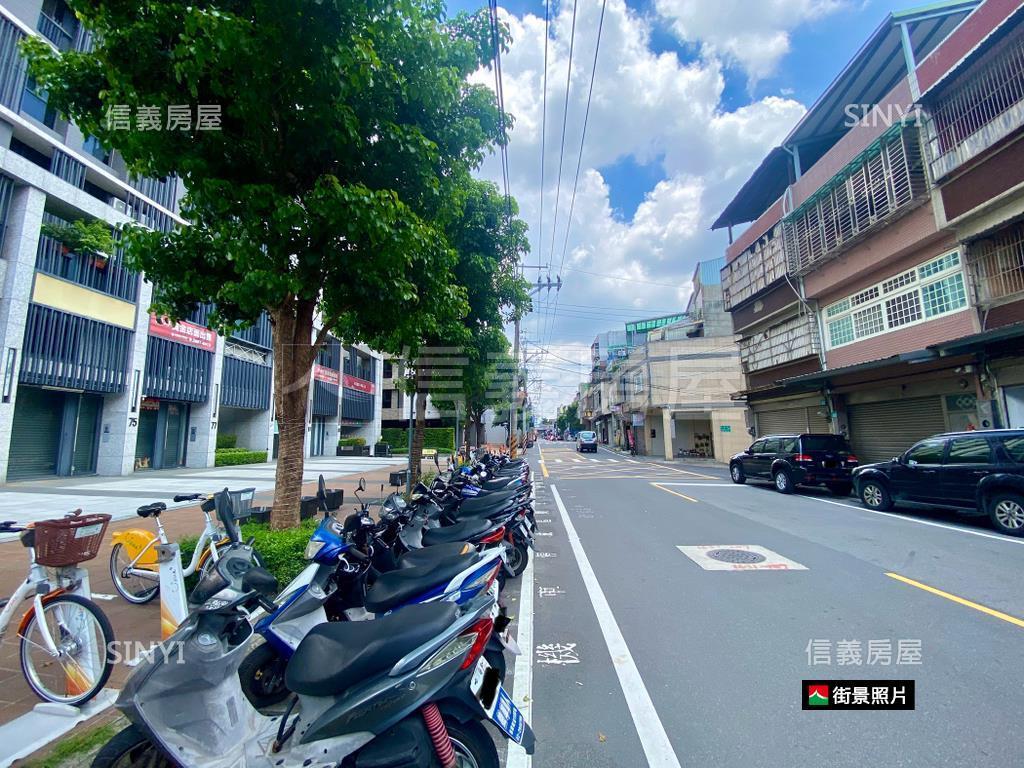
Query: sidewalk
{"type": "Point", "coordinates": [121, 496]}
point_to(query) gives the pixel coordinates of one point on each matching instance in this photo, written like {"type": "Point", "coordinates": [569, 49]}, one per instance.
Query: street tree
{"type": "Point", "coordinates": [344, 134]}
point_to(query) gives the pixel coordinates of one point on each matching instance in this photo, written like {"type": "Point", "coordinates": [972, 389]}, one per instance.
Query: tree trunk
{"type": "Point", "coordinates": [468, 433]}
{"type": "Point", "coordinates": [420, 424]}
{"type": "Point", "coordinates": [480, 433]}
{"type": "Point", "coordinates": [293, 359]}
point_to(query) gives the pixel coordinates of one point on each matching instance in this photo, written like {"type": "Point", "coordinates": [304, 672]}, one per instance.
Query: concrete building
{"type": "Point", "coordinates": [92, 383]}
{"type": "Point", "coordinates": [874, 291]}
{"type": "Point", "coordinates": [672, 392]}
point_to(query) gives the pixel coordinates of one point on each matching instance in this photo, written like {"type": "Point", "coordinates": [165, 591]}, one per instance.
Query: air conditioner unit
{"type": "Point", "coordinates": [122, 207]}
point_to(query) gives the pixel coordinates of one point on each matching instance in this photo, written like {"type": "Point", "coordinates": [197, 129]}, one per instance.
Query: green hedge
{"type": "Point", "coordinates": [226, 441]}
{"type": "Point", "coordinates": [229, 457]}
{"type": "Point", "coordinates": [352, 441]}
{"type": "Point", "coordinates": [282, 552]}
{"type": "Point", "coordinates": [441, 438]}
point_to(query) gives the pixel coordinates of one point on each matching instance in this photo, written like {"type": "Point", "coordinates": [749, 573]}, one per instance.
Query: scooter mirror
{"type": "Point", "coordinates": [362, 483]}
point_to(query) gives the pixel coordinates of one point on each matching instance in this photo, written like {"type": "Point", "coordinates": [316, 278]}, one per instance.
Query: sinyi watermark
{"type": "Point", "coordinates": [881, 115]}
{"type": "Point", "coordinates": [171, 117]}
{"type": "Point", "coordinates": [885, 652]}
{"type": "Point", "coordinates": [134, 651]}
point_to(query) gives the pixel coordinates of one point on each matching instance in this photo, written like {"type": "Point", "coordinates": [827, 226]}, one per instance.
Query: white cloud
{"type": "Point", "coordinates": [754, 35]}
{"type": "Point", "coordinates": [647, 106]}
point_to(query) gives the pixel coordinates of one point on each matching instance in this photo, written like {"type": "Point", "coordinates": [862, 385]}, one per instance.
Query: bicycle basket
{"type": "Point", "coordinates": [70, 540]}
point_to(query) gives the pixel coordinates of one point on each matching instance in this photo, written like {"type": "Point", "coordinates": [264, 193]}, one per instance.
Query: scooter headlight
{"type": "Point", "coordinates": [313, 549]}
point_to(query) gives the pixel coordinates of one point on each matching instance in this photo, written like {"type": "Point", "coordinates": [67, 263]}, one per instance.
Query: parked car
{"type": "Point", "coordinates": [978, 473]}
{"type": "Point", "coordinates": [793, 460]}
{"type": "Point", "coordinates": [586, 441]}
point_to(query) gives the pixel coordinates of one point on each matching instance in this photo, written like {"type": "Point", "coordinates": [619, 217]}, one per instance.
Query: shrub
{"type": "Point", "coordinates": [356, 441]}
{"type": "Point", "coordinates": [441, 438]}
{"type": "Point", "coordinates": [229, 457]}
{"type": "Point", "coordinates": [226, 441]}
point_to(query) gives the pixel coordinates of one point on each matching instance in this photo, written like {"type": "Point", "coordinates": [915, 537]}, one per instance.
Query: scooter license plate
{"type": "Point", "coordinates": [496, 703]}
{"type": "Point", "coordinates": [510, 643]}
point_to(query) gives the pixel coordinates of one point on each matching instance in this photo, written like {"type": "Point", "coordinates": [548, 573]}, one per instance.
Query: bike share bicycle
{"type": "Point", "coordinates": [66, 639]}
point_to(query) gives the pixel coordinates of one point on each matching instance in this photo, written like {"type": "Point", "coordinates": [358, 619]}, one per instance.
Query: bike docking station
{"type": "Point", "coordinates": [47, 722]}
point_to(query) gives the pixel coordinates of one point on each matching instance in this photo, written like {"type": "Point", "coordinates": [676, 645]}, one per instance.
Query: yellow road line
{"type": "Point", "coordinates": [543, 464]}
{"type": "Point", "coordinates": [969, 603]}
{"type": "Point", "coordinates": [674, 493]}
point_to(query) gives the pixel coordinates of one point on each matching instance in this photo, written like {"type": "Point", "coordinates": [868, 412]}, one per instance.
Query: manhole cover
{"type": "Point", "coordinates": [736, 556]}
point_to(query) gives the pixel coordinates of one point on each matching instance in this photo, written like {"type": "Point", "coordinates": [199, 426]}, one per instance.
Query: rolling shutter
{"type": "Point", "coordinates": [84, 457]}
{"type": "Point", "coordinates": [787, 421]}
{"type": "Point", "coordinates": [35, 434]}
{"type": "Point", "coordinates": [879, 431]}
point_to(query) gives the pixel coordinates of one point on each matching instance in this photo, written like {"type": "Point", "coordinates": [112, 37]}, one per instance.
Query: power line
{"type": "Point", "coordinates": [543, 147]}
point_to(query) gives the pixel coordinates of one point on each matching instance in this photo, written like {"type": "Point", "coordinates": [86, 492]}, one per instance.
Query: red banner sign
{"type": "Point", "coordinates": [183, 332]}
{"type": "Point", "coordinates": [326, 375]}
{"type": "Point", "coordinates": [360, 385]}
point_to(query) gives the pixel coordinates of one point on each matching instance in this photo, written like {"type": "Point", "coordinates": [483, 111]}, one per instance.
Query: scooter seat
{"type": "Point", "coordinates": [489, 501]}
{"type": "Point", "coordinates": [393, 588]}
{"type": "Point", "coordinates": [500, 484]}
{"type": "Point", "coordinates": [430, 555]}
{"type": "Point", "coordinates": [464, 531]}
{"type": "Point", "coordinates": [337, 654]}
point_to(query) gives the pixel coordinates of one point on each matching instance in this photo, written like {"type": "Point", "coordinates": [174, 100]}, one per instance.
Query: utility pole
{"type": "Point", "coordinates": [515, 392]}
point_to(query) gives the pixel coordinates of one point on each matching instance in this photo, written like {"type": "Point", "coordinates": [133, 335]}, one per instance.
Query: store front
{"type": "Point", "coordinates": [54, 433]}
{"type": "Point", "coordinates": [163, 429]}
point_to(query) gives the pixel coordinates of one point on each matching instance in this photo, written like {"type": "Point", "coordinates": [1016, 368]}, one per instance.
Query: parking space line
{"type": "Point", "coordinates": [674, 493]}
{"type": "Point", "coordinates": [522, 675]}
{"type": "Point", "coordinates": [653, 738]}
{"type": "Point", "coordinates": [962, 601]}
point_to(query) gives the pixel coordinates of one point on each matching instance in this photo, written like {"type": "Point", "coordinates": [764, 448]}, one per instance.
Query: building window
{"type": "Point", "coordinates": [34, 104]}
{"type": "Point", "coordinates": [937, 288]}
{"type": "Point", "coordinates": [386, 396]}
{"type": "Point", "coordinates": [638, 383]}
{"type": "Point", "coordinates": [388, 372]}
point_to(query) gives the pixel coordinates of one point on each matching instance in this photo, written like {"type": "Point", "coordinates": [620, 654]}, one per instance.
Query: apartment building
{"type": "Point", "coordinates": [92, 383]}
{"type": "Point", "coordinates": [670, 393]}
{"type": "Point", "coordinates": [396, 403]}
{"type": "Point", "coordinates": [854, 291]}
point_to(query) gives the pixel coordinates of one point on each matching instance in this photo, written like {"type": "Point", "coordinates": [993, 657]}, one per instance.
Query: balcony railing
{"type": "Point", "coordinates": [12, 65]}
{"type": "Point", "coordinates": [997, 263]}
{"type": "Point", "coordinates": [107, 275]}
{"type": "Point", "coordinates": [53, 31]}
{"type": "Point", "coordinates": [792, 340]}
{"type": "Point", "coordinates": [983, 105]}
{"type": "Point", "coordinates": [879, 185]}
{"type": "Point", "coordinates": [755, 269]}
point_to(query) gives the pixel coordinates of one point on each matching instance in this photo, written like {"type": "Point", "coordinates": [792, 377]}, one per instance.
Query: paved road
{"type": "Point", "coordinates": [642, 657]}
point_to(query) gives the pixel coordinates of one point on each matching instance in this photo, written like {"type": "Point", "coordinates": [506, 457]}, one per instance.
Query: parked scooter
{"type": "Point", "coordinates": [409, 689]}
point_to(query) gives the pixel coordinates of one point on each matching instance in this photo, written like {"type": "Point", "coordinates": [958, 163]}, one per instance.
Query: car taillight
{"type": "Point", "coordinates": [802, 457]}
{"type": "Point", "coordinates": [482, 629]}
{"type": "Point", "coordinates": [851, 459]}
{"type": "Point", "coordinates": [495, 537]}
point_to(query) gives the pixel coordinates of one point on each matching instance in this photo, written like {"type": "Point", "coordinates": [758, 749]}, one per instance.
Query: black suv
{"type": "Point", "coordinates": [979, 472]}
{"type": "Point", "coordinates": [792, 460]}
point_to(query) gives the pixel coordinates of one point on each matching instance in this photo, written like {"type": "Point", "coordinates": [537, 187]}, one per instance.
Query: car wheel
{"type": "Point", "coordinates": [738, 475]}
{"type": "Point", "coordinates": [840, 489]}
{"type": "Point", "coordinates": [874, 495]}
{"type": "Point", "coordinates": [1006, 510]}
{"type": "Point", "coordinates": [783, 481]}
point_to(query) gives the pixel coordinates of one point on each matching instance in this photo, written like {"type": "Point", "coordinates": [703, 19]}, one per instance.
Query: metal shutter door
{"type": "Point", "coordinates": [35, 434]}
{"type": "Point", "coordinates": [818, 420]}
{"type": "Point", "coordinates": [84, 457]}
{"type": "Point", "coordinates": [879, 431]}
{"type": "Point", "coordinates": [789, 421]}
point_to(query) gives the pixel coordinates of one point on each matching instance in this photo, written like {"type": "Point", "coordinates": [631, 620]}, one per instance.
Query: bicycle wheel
{"type": "Point", "coordinates": [84, 641]}
{"type": "Point", "coordinates": [134, 589]}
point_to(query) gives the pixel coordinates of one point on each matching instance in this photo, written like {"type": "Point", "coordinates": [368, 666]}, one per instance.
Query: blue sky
{"type": "Point", "coordinates": [689, 96]}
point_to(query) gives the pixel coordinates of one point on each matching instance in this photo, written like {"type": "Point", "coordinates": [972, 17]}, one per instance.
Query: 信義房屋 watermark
{"type": "Point", "coordinates": [885, 652]}
{"type": "Point", "coordinates": [172, 117]}
{"type": "Point", "coordinates": [133, 652]}
{"type": "Point", "coordinates": [882, 115]}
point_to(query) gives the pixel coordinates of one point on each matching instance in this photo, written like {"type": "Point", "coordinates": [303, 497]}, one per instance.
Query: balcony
{"type": "Point", "coordinates": [107, 275]}
{"type": "Point", "coordinates": [792, 340]}
{"type": "Point", "coordinates": [755, 269]}
{"type": "Point", "coordinates": [882, 183]}
{"type": "Point", "coordinates": [55, 32]}
{"type": "Point", "coordinates": [997, 264]}
{"type": "Point", "coordinates": [980, 107]}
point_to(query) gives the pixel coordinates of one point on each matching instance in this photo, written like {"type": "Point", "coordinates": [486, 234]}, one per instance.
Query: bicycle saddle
{"type": "Point", "coordinates": [148, 510]}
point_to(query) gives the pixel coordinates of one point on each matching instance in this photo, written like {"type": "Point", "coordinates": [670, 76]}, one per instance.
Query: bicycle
{"type": "Point", "coordinates": [66, 639]}
{"type": "Point", "coordinates": [143, 564]}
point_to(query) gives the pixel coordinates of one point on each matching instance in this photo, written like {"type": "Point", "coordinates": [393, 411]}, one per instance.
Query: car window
{"type": "Point", "coordinates": [1015, 447]}
{"type": "Point", "coordinates": [789, 445]}
{"type": "Point", "coordinates": [825, 443]}
{"type": "Point", "coordinates": [928, 452]}
{"type": "Point", "coordinates": [969, 450]}
{"type": "Point", "coordinates": [771, 445]}
{"type": "Point", "coordinates": [587, 435]}
{"type": "Point", "coordinates": [757, 447]}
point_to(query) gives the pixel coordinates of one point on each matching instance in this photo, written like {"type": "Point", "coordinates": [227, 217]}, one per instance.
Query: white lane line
{"type": "Point", "coordinates": [653, 738]}
{"type": "Point", "coordinates": [706, 485]}
{"type": "Point", "coordinates": [612, 461]}
{"type": "Point", "coordinates": [522, 674]}
{"type": "Point", "coordinates": [632, 461]}
{"type": "Point", "coordinates": [557, 461]}
{"type": "Point", "coordinates": [594, 460]}
{"type": "Point", "coordinates": [890, 515]}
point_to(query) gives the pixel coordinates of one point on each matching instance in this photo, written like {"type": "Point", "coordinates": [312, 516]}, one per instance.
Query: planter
{"type": "Point", "coordinates": [335, 498]}
{"type": "Point", "coordinates": [260, 515]}
{"type": "Point", "coordinates": [398, 479]}
{"type": "Point", "coordinates": [308, 507]}
{"type": "Point", "coordinates": [353, 450]}
{"type": "Point", "coordinates": [382, 449]}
